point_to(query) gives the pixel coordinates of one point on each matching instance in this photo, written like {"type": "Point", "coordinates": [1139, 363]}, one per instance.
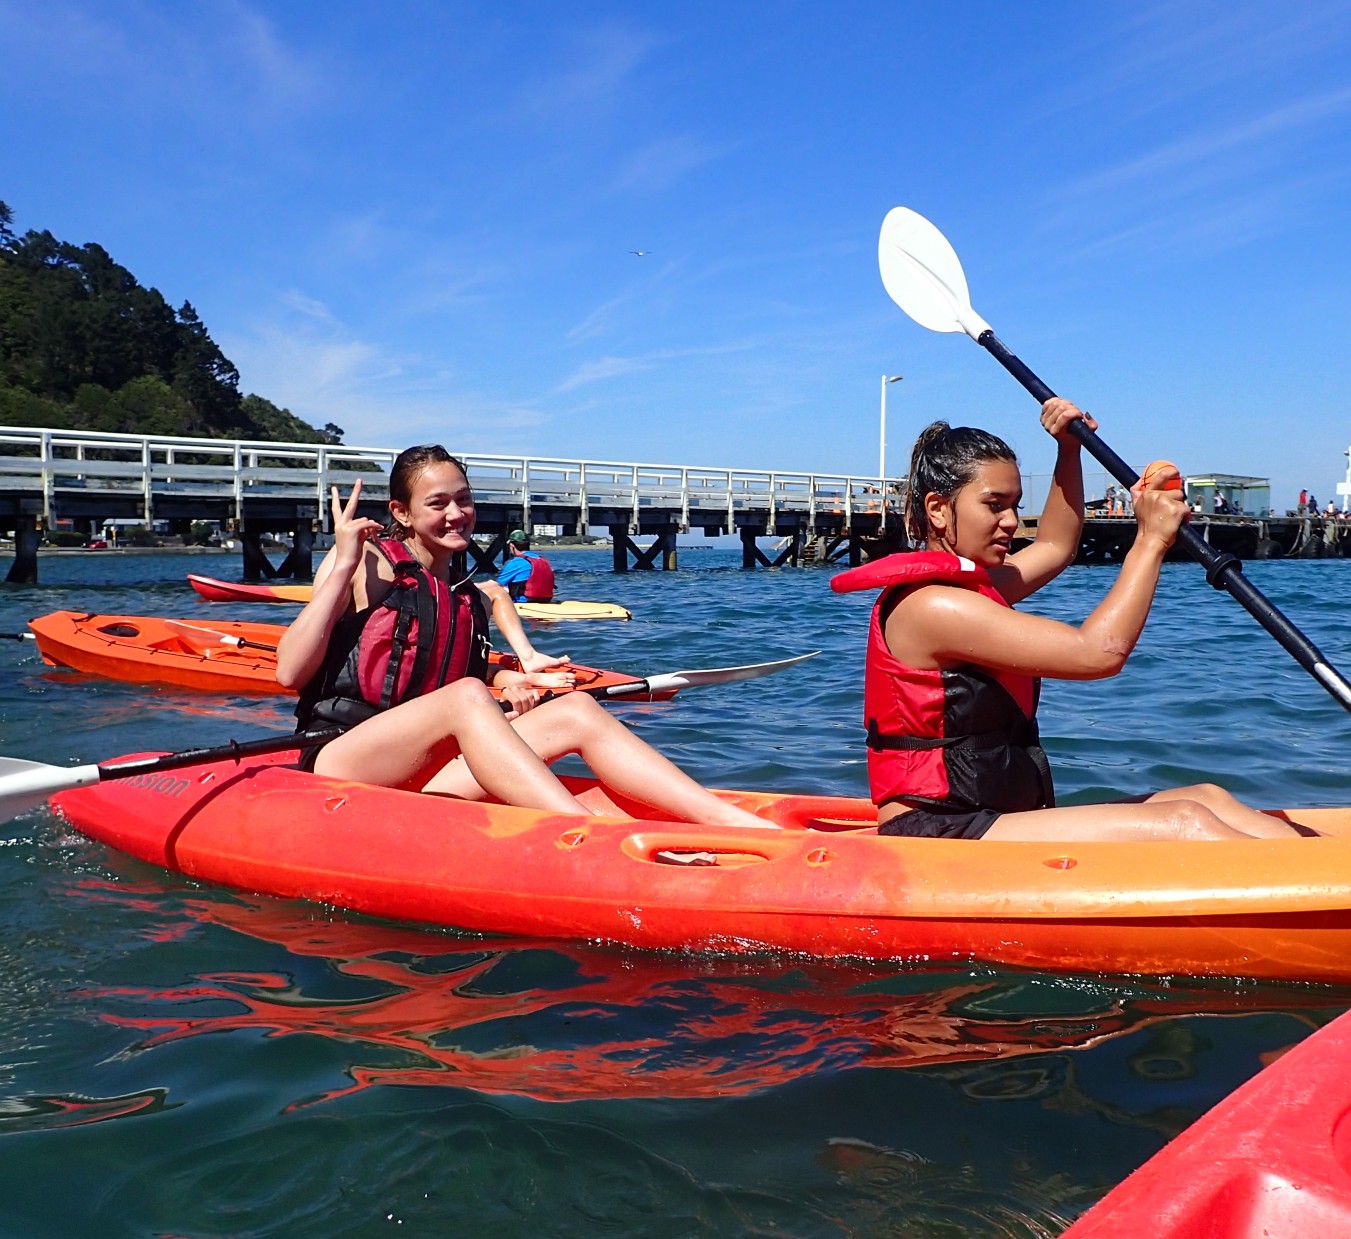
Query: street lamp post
{"type": "Point", "coordinates": [882, 451]}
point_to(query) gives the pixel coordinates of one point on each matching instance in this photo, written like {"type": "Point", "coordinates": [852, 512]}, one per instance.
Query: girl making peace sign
{"type": "Point", "coordinates": [393, 649]}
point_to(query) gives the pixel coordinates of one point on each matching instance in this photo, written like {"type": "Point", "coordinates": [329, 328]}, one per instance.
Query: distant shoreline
{"type": "Point", "coordinates": [7, 548]}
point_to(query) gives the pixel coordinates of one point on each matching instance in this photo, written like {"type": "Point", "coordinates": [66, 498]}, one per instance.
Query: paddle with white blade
{"type": "Point", "coordinates": [674, 680]}
{"type": "Point", "coordinates": [26, 784]}
{"type": "Point", "coordinates": [195, 632]}
{"type": "Point", "coordinates": [923, 275]}
{"type": "Point", "coordinates": [670, 682]}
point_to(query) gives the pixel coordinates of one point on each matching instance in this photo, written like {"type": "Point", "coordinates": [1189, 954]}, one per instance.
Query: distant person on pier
{"type": "Point", "coordinates": [1303, 501]}
{"type": "Point", "coordinates": [392, 650]}
{"type": "Point", "coordinates": [1313, 505]}
{"type": "Point", "coordinates": [526, 574]}
{"type": "Point", "coordinates": [953, 673]}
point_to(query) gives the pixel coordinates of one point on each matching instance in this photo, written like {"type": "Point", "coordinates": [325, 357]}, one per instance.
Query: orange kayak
{"type": "Point", "coordinates": [825, 884]}
{"type": "Point", "coordinates": [217, 656]}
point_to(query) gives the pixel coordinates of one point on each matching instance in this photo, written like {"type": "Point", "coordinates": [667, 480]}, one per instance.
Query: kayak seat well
{"type": "Point", "coordinates": [823, 813]}
{"type": "Point", "coordinates": [120, 630]}
{"type": "Point", "coordinates": [701, 849]}
{"type": "Point", "coordinates": [703, 858]}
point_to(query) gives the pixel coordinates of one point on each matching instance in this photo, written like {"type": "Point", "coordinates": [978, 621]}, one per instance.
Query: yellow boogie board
{"type": "Point", "coordinates": [572, 610]}
{"type": "Point", "coordinates": [230, 591]}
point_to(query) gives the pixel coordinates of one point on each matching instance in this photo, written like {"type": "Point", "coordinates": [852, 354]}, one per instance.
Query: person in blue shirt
{"type": "Point", "coordinates": [526, 574]}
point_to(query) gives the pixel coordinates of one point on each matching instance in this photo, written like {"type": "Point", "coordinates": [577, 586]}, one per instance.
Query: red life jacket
{"type": "Point", "coordinates": [539, 585]}
{"type": "Point", "coordinates": [421, 635]}
{"type": "Point", "coordinates": [961, 738]}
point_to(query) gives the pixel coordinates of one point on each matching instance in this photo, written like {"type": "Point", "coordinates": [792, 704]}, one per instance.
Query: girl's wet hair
{"type": "Point", "coordinates": [408, 466]}
{"type": "Point", "coordinates": [944, 459]}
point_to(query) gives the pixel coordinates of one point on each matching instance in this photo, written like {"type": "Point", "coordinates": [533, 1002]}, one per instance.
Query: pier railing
{"type": "Point", "coordinates": [153, 469]}
{"type": "Point", "coordinates": [155, 472]}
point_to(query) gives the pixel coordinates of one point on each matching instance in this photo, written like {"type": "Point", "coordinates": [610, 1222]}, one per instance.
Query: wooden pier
{"type": "Point", "coordinates": [1106, 539]}
{"type": "Point", "coordinates": [80, 479]}
{"type": "Point", "coordinates": [253, 490]}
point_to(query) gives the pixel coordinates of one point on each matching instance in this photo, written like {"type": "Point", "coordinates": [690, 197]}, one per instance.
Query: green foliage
{"type": "Point", "coordinates": [281, 424]}
{"type": "Point", "coordinates": [135, 535]}
{"type": "Point", "coordinates": [83, 346]}
{"type": "Point", "coordinates": [150, 406]}
{"type": "Point", "coordinates": [19, 407]}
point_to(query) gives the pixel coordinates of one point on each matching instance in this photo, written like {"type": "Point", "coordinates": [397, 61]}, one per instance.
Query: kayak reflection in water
{"type": "Point", "coordinates": [392, 647]}
{"type": "Point", "coordinates": [953, 672]}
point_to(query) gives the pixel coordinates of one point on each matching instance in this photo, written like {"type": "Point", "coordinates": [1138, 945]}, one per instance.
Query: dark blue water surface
{"type": "Point", "coordinates": [181, 1060]}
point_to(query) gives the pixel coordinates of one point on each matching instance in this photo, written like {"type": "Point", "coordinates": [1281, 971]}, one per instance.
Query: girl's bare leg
{"type": "Point", "coordinates": [398, 747]}
{"type": "Point", "coordinates": [578, 724]}
{"type": "Point", "coordinates": [1229, 810]}
{"type": "Point", "coordinates": [1170, 815]}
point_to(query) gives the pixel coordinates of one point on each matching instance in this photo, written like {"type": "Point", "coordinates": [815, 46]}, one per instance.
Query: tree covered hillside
{"type": "Point", "coordinates": [84, 347]}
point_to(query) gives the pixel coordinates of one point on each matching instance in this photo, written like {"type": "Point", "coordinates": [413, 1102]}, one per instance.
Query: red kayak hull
{"type": "Point", "coordinates": [1272, 1159]}
{"type": "Point", "coordinates": [231, 591]}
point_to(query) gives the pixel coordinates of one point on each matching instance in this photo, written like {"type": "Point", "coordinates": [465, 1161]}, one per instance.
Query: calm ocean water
{"type": "Point", "coordinates": [182, 1060]}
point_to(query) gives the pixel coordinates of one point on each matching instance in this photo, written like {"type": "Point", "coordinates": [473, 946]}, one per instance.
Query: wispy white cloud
{"type": "Point", "coordinates": [595, 70]}
{"type": "Point", "coordinates": [281, 76]}
{"type": "Point", "coordinates": [310, 307]}
{"type": "Point", "coordinates": [599, 321]}
{"type": "Point", "coordinates": [662, 163]}
{"type": "Point", "coordinates": [605, 368]}
{"type": "Point", "coordinates": [610, 367]}
{"type": "Point", "coordinates": [303, 358]}
{"type": "Point", "coordinates": [1214, 189]}
{"type": "Point", "coordinates": [653, 288]}
{"type": "Point", "coordinates": [215, 58]}
{"type": "Point", "coordinates": [1219, 154]}
{"type": "Point", "coordinates": [1155, 56]}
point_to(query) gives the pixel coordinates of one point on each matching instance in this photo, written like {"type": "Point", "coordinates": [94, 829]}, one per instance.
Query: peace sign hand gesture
{"type": "Point", "coordinates": [350, 531]}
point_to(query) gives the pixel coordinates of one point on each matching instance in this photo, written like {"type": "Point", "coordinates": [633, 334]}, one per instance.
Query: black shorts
{"type": "Point", "coordinates": [936, 823]}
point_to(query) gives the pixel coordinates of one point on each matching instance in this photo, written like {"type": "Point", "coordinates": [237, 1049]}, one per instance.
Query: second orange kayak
{"type": "Point", "coordinates": [217, 656]}
{"type": "Point", "coordinates": [232, 591]}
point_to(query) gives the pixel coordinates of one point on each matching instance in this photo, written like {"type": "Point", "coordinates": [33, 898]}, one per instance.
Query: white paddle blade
{"type": "Point", "coordinates": [923, 275]}
{"type": "Point", "coordinates": [200, 636]}
{"type": "Point", "coordinates": [26, 784]}
{"type": "Point", "coordinates": [721, 675]}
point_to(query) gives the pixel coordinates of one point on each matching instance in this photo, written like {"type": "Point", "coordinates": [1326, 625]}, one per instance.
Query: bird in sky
{"type": "Point", "coordinates": [640, 253]}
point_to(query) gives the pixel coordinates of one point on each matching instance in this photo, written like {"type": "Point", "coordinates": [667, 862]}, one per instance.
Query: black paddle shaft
{"type": "Point", "coordinates": [233, 751]}
{"type": "Point", "coordinates": [1223, 570]}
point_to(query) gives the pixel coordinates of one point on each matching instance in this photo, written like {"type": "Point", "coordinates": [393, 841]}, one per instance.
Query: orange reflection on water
{"type": "Point", "coordinates": [559, 1022]}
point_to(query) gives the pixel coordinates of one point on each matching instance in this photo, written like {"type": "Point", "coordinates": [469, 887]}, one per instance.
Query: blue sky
{"type": "Point", "coordinates": [415, 219]}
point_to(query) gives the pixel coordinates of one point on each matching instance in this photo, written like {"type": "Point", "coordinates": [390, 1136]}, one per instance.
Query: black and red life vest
{"type": "Point", "coordinates": [961, 738]}
{"type": "Point", "coordinates": [421, 635]}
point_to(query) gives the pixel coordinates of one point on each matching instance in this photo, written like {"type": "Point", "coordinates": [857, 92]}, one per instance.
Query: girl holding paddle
{"type": "Point", "coordinates": [953, 672]}
{"type": "Point", "coordinates": [392, 648]}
